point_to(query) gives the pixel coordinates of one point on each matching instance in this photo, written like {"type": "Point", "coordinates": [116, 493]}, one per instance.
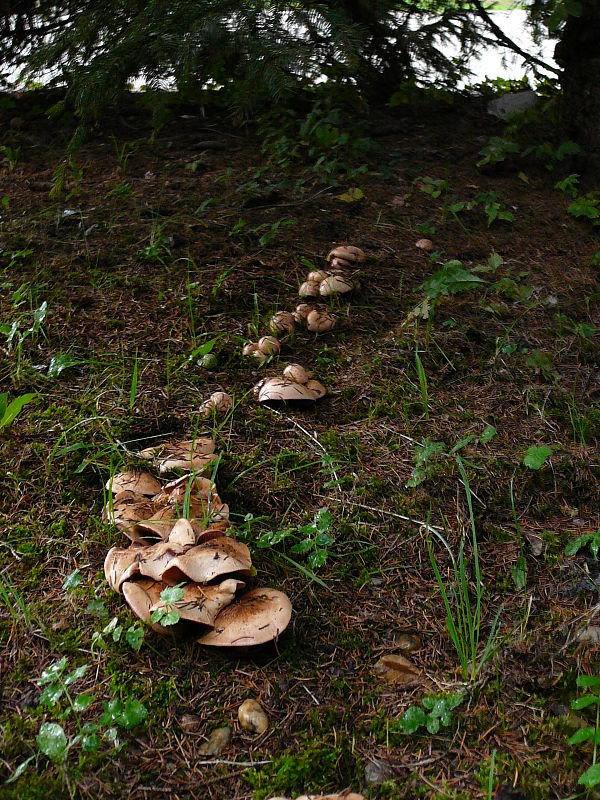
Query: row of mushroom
{"type": "Point", "coordinates": [178, 538]}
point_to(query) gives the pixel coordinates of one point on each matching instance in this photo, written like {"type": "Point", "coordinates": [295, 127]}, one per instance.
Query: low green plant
{"type": "Point", "coordinates": [590, 733]}
{"type": "Point", "coordinates": [435, 712]}
{"type": "Point", "coordinates": [134, 635]}
{"type": "Point", "coordinates": [496, 150]}
{"type": "Point", "coordinates": [426, 459]}
{"type": "Point", "coordinates": [536, 457]}
{"type": "Point", "coordinates": [16, 336]}
{"type": "Point", "coordinates": [462, 620]}
{"type": "Point", "coordinates": [422, 384]}
{"type": "Point", "coordinates": [587, 539]}
{"type": "Point", "coordinates": [10, 156]}
{"type": "Point", "coordinates": [168, 615]}
{"type": "Point", "coordinates": [10, 411]}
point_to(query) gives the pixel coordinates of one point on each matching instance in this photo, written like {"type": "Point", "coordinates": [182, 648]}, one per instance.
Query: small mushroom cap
{"type": "Point", "coordinates": [201, 446]}
{"type": "Point", "coordinates": [252, 717]}
{"type": "Point", "coordinates": [283, 390]}
{"type": "Point", "coordinates": [317, 275]}
{"type": "Point", "coordinates": [282, 322]}
{"type": "Point", "coordinates": [127, 508]}
{"type": "Point", "coordinates": [259, 355]}
{"type": "Point", "coordinates": [317, 389]}
{"type": "Point", "coordinates": [121, 565]}
{"type": "Point", "coordinates": [320, 321]}
{"type": "Point", "coordinates": [250, 348]}
{"type": "Point", "coordinates": [335, 284]}
{"type": "Point", "coordinates": [205, 562]}
{"type": "Point", "coordinates": [259, 616]}
{"type": "Point", "coordinates": [136, 481]}
{"type": "Point", "coordinates": [297, 373]}
{"type": "Point", "coordinates": [141, 596]}
{"type": "Point", "coordinates": [425, 244]}
{"type": "Point", "coordinates": [218, 402]}
{"type": "Point", "coordinates": [182, 533]}
{"type": "Point", "coordinates": [309, 289]}
{"type": "Point", "coordinates": [340, 263]}
{"type": "Point", "coordinates": [269, 345]}
{"type": "Point", "coordinates": [348, 252]}
{"type": "Point", "coordinates": [202, 603]}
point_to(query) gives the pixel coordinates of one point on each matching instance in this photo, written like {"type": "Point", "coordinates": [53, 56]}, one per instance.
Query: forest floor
{"type": "Point", "coordinates": [121, 269]}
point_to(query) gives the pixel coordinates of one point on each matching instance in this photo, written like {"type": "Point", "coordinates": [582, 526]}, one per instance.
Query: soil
{"type": "Point", "coordinates": [149, 243]}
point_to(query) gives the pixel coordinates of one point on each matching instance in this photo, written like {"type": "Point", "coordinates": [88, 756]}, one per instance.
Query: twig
{"type": "Point", "coordinates": [395, 515]}
{"type": "Point", "coordinates": [501, 36]}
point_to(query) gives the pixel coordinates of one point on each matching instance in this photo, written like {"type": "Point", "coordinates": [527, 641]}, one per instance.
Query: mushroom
{"type": "Point", "coordinates": [140, 596]}
{"type": "Point", "coordinates": [201, 446]}
{"type": "Point", "coordinates": [297, 373]}
{"type": "Point", "coordinates": [259, 616]}
{"type": "Point", "coordinates": [301, 313]}
{"type": "Point", "coordinates": [120, 565]}
{"type": "Point", "coordinates": [136, 481]}
{"type": "Point", "coordinates": [309, 289]}
{"type": "Point", "coordinates": [425, 244]}
{"type": "Point", "coordinates": [340, 263]}
{"type": "Point", "coordinates": [217, 403]}
{"type": "Point", "coordinates": [206, 561]}
{"type": "Point", "coordinates": [347, 252]}
{"type": "Point", "coordinates": [184, 459]}
{"type": "Point", "coordinates": [127, 508]}
{"type": "Point", "coordinates": [182, 533]}
{"type": "Point", "coordinates": [317, 389]}
{"type": "Point", "coordinates": [335, 284]}
{"type": "Point", "coordinates": [250, 349]}
{"type": "Point", "coordinates": [157, 559]}
{"type": "Point", "coordinates": [282, 389]}
{"type": "Point", "coordinates": [317, 276]}
{"type": "Point", "coordinates": [282, 322]}
{"type": "Point", "coordinates": [202, 604]}
{"type": "Point", "coordinates": [320, 321]}
{"type": "Point", "coordinates": [269, 345]}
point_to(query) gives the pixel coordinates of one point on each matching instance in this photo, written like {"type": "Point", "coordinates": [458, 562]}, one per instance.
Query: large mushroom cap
{"type": "Point", "coordinates": [136, 481]}
{"type": "Point", "coordinates": [269, 345]}
{"type": "Point", "coordinates": [157, 559]}
{"type": "Point", "coordinates": [207, 561]}
{"type": "Point", "coordinates": [320, 321]}
{"type": "Point", "coordinates": [284, 390]}
{"type": "Point", "coordinates": [141, 596]}
{"type": "Point", "coordinates": [282, 322]}
{"type": "Point", "coordinates": [309, 289]}
{"type": "Point", "coordinates": [260, 616]}
{"type": "Point", "coordinates": [348, 252]}
{"type": "Point", "coordinates": [297, 373]}
{"type": "Point", "coordinates": [335, 284]}
{"type": "Point", "coordinates": [127, 508]}
{"type": "Point", "coordinates": [121, 565]}
{"type": "Point", "coordinates": [317, 389]}
{"type": "Point", "coordinates": [202, 604]}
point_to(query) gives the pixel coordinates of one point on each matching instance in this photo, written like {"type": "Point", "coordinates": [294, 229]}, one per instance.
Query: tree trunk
{"type": "Point", "coordinates": [578, 53]}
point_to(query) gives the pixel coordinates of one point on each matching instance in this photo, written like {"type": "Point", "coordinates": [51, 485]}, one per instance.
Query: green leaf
{"type": "Point", "coordinates": [581, 541]}
{"type": "Point", "coordinates": [72, 581]}
{"type": "Point", "coordinates": [412, 719]}
{"type": "Point", "coordinates": [317, 558]}
{"type": "Point", "coordinates": [588, 681]}
{"type": "Point", "coordinates": [585, 702]}
{"type": "Point", "coordinates": [519, 572]}
{"type": "Point", "coordinates": [170, 618]}
{"type": "Point", "coordinates": [61, 362]}
{"type": "Point", "coordinates": [51, 695]}
{"type": "Point", "coordinates": [133, 713]}
{"type": "Point", "coordinates": [488, 434]}
{"type": "Point", "coordinates": [135, 637]}
{"type": "Point", "coordinates": [53, 672]}
{"type": "Point", "coordinates": [83, 701]}
{"type": "Point", "coordinates": [433, 724]}
{"type": "Point", "coordinates": [172, 594]}
{"type": "Point", "coordinates": [582, 735]}
{"type": "Point", "coordinates": [97, 608]}
{"type": "Point", "coordinates": [14, 409]}
{"type": "Point", "coordinates": [75, 675]}
{"type": "Point", "coordinates": [353, 195]}
{"type": "Point", "coordinates": [19, 770]}
{"type": "Point", "coordinates": [451, 279]}
{"type": "Point", "coordinates": [536, 456]}
{"type": "Point", "coordinates": [52, 741]}
{"type": "Point", "coordinates": [591, 777]}
{"type": "Point", "coordinates": [90, 742]}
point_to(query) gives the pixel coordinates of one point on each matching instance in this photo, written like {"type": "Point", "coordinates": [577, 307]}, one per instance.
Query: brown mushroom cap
{"type": "Point", "coordinates": [136, 481]}
{"type": "Point", "coordinates": [260, 616]}
{"type": "Point", "coordinates": [320, 321]}
{"type": "Point", "coordinates": [121, 565]}
{"type": "Point", "coordinates": [202, 603]}
{"type": "Point", "coordinates": [425, 244]}
{"type": "Point", "coordinates": [317, 275]}
{"type": "Point", "coordinates": [309, 289]}
{"type": "Point", "coordinates": [201, 446]}
{"type": "Point", "coordinates": [282, 322]}
{"type": "Point", "coordinates": [217, 403]}
{"type": "Point", "coordinates": [348, 252]}
{"type": "Point", "coordinates": [127, 508]}
{"type": "Point", "coordinates": [297, 373]}
{"type": "Point", "coordinates": [340, 263]}
{"type": "Point", "coordinates": [183, 460]}
{"type": "Point", "coordinates": [141, 596]}
{"type": "Point", "coordinates": [283, 390]}
{"type": "Point", "coordinates": [205, 562]}
{"type": "Point", "coordinates": [157, 559]}
{"type": "Point", "coordinates": [269, 345]}
{"type": "Point", "coordinates": [182, 533]}
{"type": "Point", "coordinates": [250, 348]}
{"type": "Point", "coordinates": [335, 284]}
{"type": "Point", "coordinates": [317, 389]}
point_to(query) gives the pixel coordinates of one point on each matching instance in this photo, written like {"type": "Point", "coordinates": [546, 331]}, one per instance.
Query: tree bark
{"type": "Point", "coordinates": [578, 53]}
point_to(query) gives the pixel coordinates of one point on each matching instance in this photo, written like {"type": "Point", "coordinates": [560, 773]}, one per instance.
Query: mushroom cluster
{"type": "Point", "coordinates": [337, 278]}
{"type": "Point", "coordinates": [178, 535]}
{"type": "Point", "coordinates": [296, 385]}
{"type": "Point", "coordinates": [266, 347]}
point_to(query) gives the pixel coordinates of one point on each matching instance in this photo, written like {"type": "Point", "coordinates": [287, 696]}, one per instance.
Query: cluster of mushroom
{"type": "Point", "coordinates": [178, 538]}
{"type": "Point", "coordinates": [266, 347]}
{"type": "Point", "coordinates": [315, 319]}
{"type": "Point", "coordinates": [337, 278]}
{"type": "Point", "coordinates": [295, 385]}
